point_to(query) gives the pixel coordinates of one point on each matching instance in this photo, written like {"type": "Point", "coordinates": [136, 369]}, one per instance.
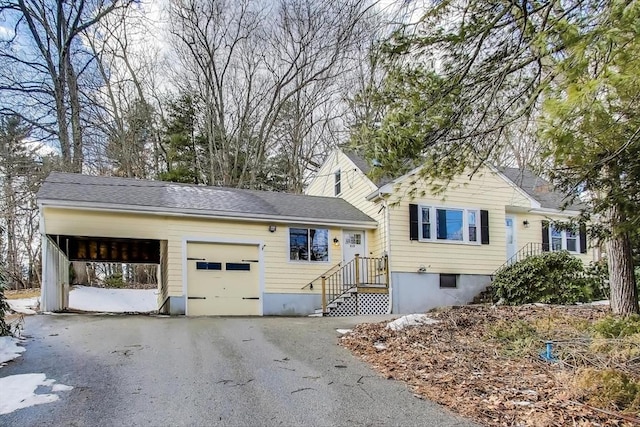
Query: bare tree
{"type": "Point", "coordinates": [47, 57]}
{"type": "Point", "coordinates": [254, 66]}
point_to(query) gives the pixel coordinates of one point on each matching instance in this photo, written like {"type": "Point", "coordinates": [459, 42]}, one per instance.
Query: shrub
{"type": "Point", "coordinates": [551, 278]}
{"type": "Point", "coordinates": [114, 281]}
{"type": "Point", "coordinates": [609, 389]}
{"type": "Point", "coordinates": [618, 327]}
{"type": "Point", "coordinates": [5, 329]}
{"type": "Point", "coordinates": [517, 338]}
{"type": "Point", "coordinates": [597, 274]}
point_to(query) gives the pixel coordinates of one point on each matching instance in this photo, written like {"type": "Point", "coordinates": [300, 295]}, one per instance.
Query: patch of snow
{"type": "Point", "coordinates": [379, 346]}
{"type": "Point", "coordinates": [113, 300]}
{"type": "Point", "coordinates": [343, 331]}
{"type": "Point", "coordinates": [9, 349]}
{"type": "Point", "coordinates": [61, 387]}
{"type": "Point", "coordinates": [19, 391]}
{"type": "Point", "coordinates": [24, 305]}
{"type": "Point", "coordinates": [603, 302]}
{"type": "Point", "coordinates": [410, 320]}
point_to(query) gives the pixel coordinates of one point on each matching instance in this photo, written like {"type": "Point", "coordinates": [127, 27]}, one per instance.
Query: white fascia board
{"type": "Point", "coordinates": [377, 195]}
{"type": "Point", "coordinates": [545, 211]}
{"type": "Point", "coordinates": [152, 210]}
{"type": "Point", "coordinates": [388, 188]}
{"type": "Point", "coordinates": [371, 183]}
{"type": "Point", "coordinates": [534, 203]}
{"type": "Point", "coordinates": [317, 174]}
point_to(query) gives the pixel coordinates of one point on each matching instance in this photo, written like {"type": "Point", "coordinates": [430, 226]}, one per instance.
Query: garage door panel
{"type": "Point", "coordinates": [222, 279]}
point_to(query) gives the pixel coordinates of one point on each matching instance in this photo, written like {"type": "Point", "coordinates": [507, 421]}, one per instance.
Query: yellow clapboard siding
{"type": "Point", "coordinates": [533, 233]}
{"type": "Point", "coordinates": [77, 222]}
{"type": "Point", "coordinates": [485, 191]}
{"type": "Point", "coordinates": [280, 274]}
{"type": "Point", "coordinates": [355, 187]}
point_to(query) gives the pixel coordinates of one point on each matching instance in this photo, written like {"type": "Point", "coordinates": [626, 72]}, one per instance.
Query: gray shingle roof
{"type": "Point", "coordinates": [362, 164]}
{"type": "Point", "coordinates": [538, 188]}
{"type": "Point", "coordinates": [186, 198]}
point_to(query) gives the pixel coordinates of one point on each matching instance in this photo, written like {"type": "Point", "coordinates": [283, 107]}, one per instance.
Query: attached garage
{"type": "Point", "coordinates": [220, 251]}
{"type": "Point", "coordinates": [223, 279]}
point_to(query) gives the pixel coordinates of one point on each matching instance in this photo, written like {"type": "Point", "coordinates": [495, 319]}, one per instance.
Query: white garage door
{"type": "Point", "coordinates": [222, 280]}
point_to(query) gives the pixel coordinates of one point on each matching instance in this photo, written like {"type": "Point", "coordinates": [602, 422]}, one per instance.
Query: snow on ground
{"type": "Point", "coordinates": [410, 320]}
{"type": "Point", "coordinates": [113, 300]}
{"type": "Point", "coordinates": [19, 391]}
{"type": "Point", "coordinates": [9, 349]}
{"type": "Point", "coordinates": [24, 305]}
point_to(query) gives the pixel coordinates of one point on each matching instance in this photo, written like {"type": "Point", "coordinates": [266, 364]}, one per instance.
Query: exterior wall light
{"type": "Point", "coordinates": [272, 228]}
{"type": "Point", "coordinates": [336, 242]}
{"type": "Point", "coordinates": [525, 223]}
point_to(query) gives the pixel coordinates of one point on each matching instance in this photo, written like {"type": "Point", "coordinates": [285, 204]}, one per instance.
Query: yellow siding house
{"type": "Point", "coordinates": [443, 249]}
{"type": "Point", "coordinates": [220, 251]}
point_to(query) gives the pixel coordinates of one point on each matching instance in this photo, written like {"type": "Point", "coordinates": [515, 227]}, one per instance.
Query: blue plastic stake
{"type": "Point", "coordinates": [548, 353]}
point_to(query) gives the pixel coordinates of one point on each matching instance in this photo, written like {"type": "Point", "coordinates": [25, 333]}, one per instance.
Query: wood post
{"type": "Point", "coordinates": [386, 269]}
{"type": "Point", "coordinates": [324, 294]}
{"type": "Point", "coordinates": [357, 262]}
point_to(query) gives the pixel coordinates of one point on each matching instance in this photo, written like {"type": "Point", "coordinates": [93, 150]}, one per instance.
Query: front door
{"type": "Point", "coordinates": [510, 223]}
{"type": "Point", "coordinates": [352, 244]}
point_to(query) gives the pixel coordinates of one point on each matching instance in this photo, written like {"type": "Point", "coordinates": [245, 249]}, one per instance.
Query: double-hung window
{"type": "Point", "coordinates": [337, 183]}
{"type": "Point", "coordinates": [308, 244]}
{"type": "Point", "coordinates": [564, 240]}
{"type": "Point", "coordinates": [449, 224]}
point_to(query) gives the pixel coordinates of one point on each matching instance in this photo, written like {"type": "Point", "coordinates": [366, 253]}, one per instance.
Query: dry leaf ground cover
{"type": "Point", "coordinates": [484, 362]}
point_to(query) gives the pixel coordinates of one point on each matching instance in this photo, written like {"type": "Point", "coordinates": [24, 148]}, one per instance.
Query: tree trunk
{"type": "Point", "coordinates": [624, 293]}
{"type": "Point", "coordinates": [80, 273]}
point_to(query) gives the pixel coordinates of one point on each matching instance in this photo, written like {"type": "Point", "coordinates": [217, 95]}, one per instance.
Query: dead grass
{"type": "Point", "coordinates": [484, 363]}
{"type": "Point", "coordinates": [22, 293]}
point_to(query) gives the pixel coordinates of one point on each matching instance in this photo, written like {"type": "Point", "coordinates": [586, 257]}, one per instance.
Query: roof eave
{"type": "Point", "coordinates": [377, 195]}
{"type": "Point", "coordinates": [534, 203]}
{"type": "Point", "coordinates": [248, 217]}
{"type": "Point", "coordinates": [566, 212]}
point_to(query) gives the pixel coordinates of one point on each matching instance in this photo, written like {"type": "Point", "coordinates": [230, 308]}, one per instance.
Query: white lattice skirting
{"type": "Point", "coordinates": [373, 303]}
{"type": "Point", "coordinates": [362, 304]}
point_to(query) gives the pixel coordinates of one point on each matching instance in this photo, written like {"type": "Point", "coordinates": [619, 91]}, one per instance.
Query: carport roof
{"type": "Point", "coordinates": [84, 191]}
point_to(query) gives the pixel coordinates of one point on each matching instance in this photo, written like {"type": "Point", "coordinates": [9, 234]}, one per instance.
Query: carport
{"type": "Point", "coordinates": [60, 250]}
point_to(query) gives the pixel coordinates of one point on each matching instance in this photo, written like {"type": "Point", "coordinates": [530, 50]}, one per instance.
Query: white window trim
{"type": "Point", "coordinates": [465, 225]}
{"type": "Point", "coordinates": [563, 234]}
{"type": "Point", "coordinates": [337, 180]}
{"type": "Point", "coordinates": [308, 261]}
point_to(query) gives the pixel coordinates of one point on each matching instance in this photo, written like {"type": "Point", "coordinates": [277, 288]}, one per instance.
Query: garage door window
{"type": "Point", "coordinates": [308, 244]}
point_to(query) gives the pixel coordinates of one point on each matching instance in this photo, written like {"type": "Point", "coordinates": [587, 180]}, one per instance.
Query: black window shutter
{"type": "Point", "coordinates": [583, 239]}
{"type": "Point", "coordinates": [484, 227]}
{"type": "Point", "coordinates": [545, 236]}
{"type": "Point", "coordinates": [413, 222]}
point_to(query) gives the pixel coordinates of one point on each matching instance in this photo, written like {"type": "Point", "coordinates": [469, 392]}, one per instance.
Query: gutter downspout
{"type": "Point", "coordinates": [387, 242]}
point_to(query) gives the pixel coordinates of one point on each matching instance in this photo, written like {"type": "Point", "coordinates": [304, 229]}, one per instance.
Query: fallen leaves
{"type": "Point", "coordinates": [458, 363]}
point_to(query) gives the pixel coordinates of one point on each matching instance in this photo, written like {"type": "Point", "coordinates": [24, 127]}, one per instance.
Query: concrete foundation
{"type": "Point", "coordinates": [420, 292]}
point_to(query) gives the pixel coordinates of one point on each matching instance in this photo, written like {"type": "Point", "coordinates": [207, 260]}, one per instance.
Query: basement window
{"type": "Point", "coordinates": [448, 281]}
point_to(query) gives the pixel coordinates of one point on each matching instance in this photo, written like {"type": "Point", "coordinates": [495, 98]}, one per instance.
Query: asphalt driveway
{"type": "Point", "coordinates": [155, 371]}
